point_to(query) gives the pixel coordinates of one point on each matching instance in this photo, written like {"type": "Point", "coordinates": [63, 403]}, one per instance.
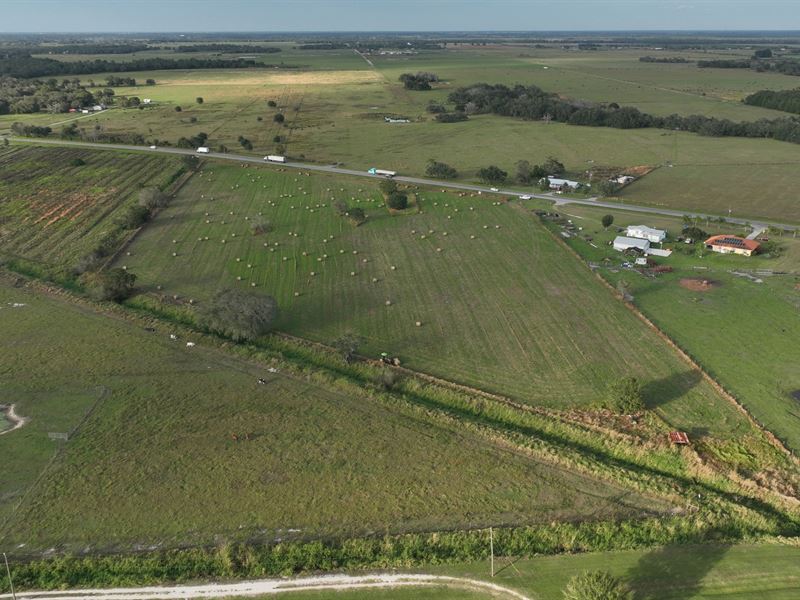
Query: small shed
{"type": "Point", "coordinates": [679, 437]}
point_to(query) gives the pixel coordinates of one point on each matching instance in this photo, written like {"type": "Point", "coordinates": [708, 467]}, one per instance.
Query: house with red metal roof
{"type": "Point", "coordinates": [732, 244]}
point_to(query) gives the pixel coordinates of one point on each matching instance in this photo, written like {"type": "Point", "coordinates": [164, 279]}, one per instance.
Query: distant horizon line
{"type": "Point", "coordinates": [409, 31]}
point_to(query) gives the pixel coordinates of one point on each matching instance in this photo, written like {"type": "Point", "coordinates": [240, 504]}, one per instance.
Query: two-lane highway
{"type": "Point", "coordinates": [757, 224]}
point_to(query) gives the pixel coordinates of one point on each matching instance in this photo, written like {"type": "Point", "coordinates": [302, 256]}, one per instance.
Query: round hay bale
{"type": "Point", "coordinates": [352, 273]}
{"type": "Point", "coordinates": [388, 303]}
{"type": "Point", "coordinates": [393, 268]}
{"type": "Point", "coordinates": [313, 273]}
{"type": "Point", "coordinates": [296, 294]}
{"type": "Point", "coordinates": [418, 323]}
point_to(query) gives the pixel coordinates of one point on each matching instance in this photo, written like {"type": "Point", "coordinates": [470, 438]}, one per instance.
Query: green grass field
{"type": "Point", "coordinates": [334, 104]}
{"type": "Point", "coordinates": [742, 332]}
{"type": "Point", "coordinates": [681, 573]}
{"type": "Point", "coordinates": [152, 458]}
{"type": "Point", "coordinates": [501, 306]}
{"type": "Point", "coordinates": [53, 211]}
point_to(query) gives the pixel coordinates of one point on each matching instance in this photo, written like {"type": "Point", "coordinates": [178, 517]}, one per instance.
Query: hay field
{"type": "Point", "coordinates": [501, 306]}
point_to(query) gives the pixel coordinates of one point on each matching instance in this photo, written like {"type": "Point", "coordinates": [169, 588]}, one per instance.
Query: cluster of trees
{"type": "Point", "coordinates": [492, 175]}
{"type": "Point", "coordinates": [117, 81]}
{"type": "Point", "coordinates": [244, 143]}
{"type": "Point", "coordinates": [23, 130]}
{"type": "Point", "coordinates": [725, 63]}
{"type": "Point", "coordinates": [240, 315]}
{"type": "Point", "coordinates": [531, 102]}
{"type": "Point", "coordinates": [528, 174]}
{"type": "Point", "coordinates": [664, 59]}
{"type": "Point", "coordinates": [785, 100]}
{"type": "Point", "coordinates": [194, 141]}
{"type": "Point", "coordinates": [395, 199]}
{"type": "Point", "coordinates": [760, 64]}
{"type": "Point", "coordinates": [28, 66]}
{"type": "Point", "coordinates": [18, 96]}
{"type": "Point", "coordinates": [418, 81]}
{"type": "Point", "coordinates": [440, 170]}
{"type": "Point", "coordinates": [228, 49]}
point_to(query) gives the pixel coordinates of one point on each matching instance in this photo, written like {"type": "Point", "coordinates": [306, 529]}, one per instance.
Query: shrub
{"type": "Point", "coordinates": [607, 221]}
{"type": "Point", "coordinates": [279, 118]}
{"type": "Point", "coordinates": [453, 117]}
{"type": "Point", "coordinates": [347, 345]}
{"type": "Point", "coordinates": [178, 109]}
{"type": "Point", "coordinates": [596, 585]}
{"type": "Point", "coordinates": [152, 198]}
{"type": "Point", "coordinates": [135, 217]}
{"type": "Point", "coordinates": [356, 215]}
{"type": "Point", "coordinates": [440, 169]}
{"type": "Point", "coordinates": [115, 285]}
{"type": "Point", "coordinates": [240, 315]}
{"type": "Point", "coordinates": [387, 186]}
{"type": "Point", "coordinates": [272, 103]}
{"type": "Point", "coordinates": [397, 200]}
{"type": "Point", "coordinates": [261, 226]}
{"type": "Point", "coordinates": [625, 396]}
{"type": "Point", "coordinates": [77, 162]}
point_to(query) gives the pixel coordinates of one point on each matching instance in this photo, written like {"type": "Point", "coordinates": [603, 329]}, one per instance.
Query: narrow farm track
{"type": "Point", "coordinates": [277, 586]}
{"type": "Point", "coordinates": [593, 201]}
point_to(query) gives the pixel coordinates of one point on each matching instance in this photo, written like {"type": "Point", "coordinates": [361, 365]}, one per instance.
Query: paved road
{"type": "Point", "coordinates": [261, 587]}
{"type": "Point", "coordinates": [556, 199]}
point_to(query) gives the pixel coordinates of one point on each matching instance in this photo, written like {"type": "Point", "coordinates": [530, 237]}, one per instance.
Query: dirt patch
{"type": "Point", "coordinates": [7, 410]}
{"type": "Point", "coordinates": [697, 284]}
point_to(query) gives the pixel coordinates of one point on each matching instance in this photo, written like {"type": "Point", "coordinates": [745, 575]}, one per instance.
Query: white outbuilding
{"type": "Point", "coordinates": [622, 243]}
{"type": "Point", "coordinates": [643, 232]}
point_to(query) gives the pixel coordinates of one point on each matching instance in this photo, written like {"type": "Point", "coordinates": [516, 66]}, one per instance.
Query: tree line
{"type": "Point", "coordinates": [783, 66]}
{"type": "Point", "coordinates": [785, 100]}
{"type": "Point", "coordinates": [28, 66]}
{"type": "Point", "coordinates": [532, 103]}
{"type": "Point", "coordinates": [24, 96]}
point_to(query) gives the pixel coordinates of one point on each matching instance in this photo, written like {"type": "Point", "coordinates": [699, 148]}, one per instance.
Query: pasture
{"type": "Point", "coordinates": [662, 573]}
{"type": "Point", "coordinates": [744, 333]}
{"type": "Point", "coordinates": [58, 204]}
{"type": "Point", "coordinates": [173, 446]}
{"type": "Point", "coordinates": [500, 305]}
{"type": "Point", "coordinates": [334, 103]}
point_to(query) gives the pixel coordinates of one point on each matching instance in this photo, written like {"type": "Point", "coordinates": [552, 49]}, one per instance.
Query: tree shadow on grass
{"type": "Point", "coordinates": [673, 571]}
{"type": "Point", "coordinates": [662, 391]}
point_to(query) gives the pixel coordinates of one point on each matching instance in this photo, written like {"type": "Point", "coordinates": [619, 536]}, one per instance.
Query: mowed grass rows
{"type": "Point", "coordinates": [183, 446]}
{"type": "Point", "coordinates": [54, 210]}
{"type": "Point", "coordinates": [500, 304]}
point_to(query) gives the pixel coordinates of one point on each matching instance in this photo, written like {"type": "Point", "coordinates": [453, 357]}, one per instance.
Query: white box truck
{"type": "Point", "coordinates": [203, 150]}
{"type": "Point", "coordinates": [383, 172]}
{"type": "Point", "coordinates": [275, 158]}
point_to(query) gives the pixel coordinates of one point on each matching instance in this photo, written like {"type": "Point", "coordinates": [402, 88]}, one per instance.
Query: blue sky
{"type": "Point", "coordinates": [394, 15]}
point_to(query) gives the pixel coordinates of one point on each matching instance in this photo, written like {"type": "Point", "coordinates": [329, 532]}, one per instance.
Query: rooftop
{"type": "Point", "coordinates": [732, 241]}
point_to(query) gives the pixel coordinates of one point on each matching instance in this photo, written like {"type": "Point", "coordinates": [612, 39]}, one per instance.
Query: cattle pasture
{"type": "Point", "coordinates": [500, 304]}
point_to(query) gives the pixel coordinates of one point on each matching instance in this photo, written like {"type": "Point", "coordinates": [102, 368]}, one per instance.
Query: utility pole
{"type": "Point", "coordinates": [11, 583]}
{"type": "Point", "coordinates": [491, 549]}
